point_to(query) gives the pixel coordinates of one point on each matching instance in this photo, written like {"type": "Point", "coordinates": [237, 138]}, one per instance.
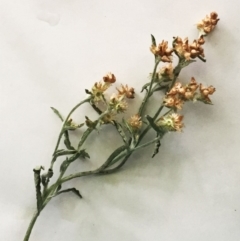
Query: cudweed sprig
{"type": "Point", "coordinates": [131, 129]}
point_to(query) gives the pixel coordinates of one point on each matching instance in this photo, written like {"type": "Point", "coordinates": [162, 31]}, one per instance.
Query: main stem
{"type": "Point", "coordinates": [30, 227]}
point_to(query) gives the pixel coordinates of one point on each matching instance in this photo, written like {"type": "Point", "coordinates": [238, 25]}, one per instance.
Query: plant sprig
{"type": "Point", "coordinates": [131, 130]}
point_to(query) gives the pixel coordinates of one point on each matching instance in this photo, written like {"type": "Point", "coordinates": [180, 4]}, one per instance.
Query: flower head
{"type": "Point", "coordinates": [109, 78]}
{"type": "Point", "coordinates": [171, 122]}
{"type": "Point", "coordinates": [205, 92]}
{"type": "Point", "coordinates": [98, 89]}
{"type": "Point", "coordinates": [208, 23]}
{"type": "Point", "coordinates": [167, 71]}
{"type": "Point", "coordinates": [163, 51]}
{"type": "Point", "coordinates": [189, 51]}
{"type": "Point", "coordinates": [126, 91]}
{"type": "Point", "coordinates": [108, 118]}
{"type": "Point", "coordinates": [172, 101]}
{"type": "Point", "coordinates": [117, 103]}
{"type": "Point", "coordinates": [135, 122]}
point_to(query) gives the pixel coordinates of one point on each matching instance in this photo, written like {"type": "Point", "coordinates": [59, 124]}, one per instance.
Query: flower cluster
{"type": "Point", "coordinates": [163, 51]}
{"type": "Point", "coordinates": [189, 51]}
{"type": "Point", "coordinates": [100, 87]}
{"type": "Point", "coordinates": [176, 97]}
{"type": "Point", "coordinates": [171, 122]}
{"type": "Point", "coordinates": [208, 23]}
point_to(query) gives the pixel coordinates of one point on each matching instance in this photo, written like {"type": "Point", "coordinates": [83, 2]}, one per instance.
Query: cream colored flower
{"type": "Point", "coordinates": [98, 89]}
{"type": "Point", "coordinates": [135, 122]}
{"type": "Point", "coordinates": [118, 103]}
{"type": "Point", "coordinates": [166, 71]}
{"type": "Point", "coordinates": [171, 122]}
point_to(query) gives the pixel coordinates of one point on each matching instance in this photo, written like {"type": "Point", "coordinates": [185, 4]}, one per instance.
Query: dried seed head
{"type": "Point", "coordinates": [117, 103]}
{"type": "Point", "coordinates": [135, 122]}
{"type": "Point", "coordinates": [167, 71]}
{"type": "Point", "coordinates": [109, 78]}
{"type": "Point", "coordinates": [205, 92]}
{"type": "Point", "coordinates": [98, 89]}
{"type": "Point", "coordinates": [163, 51]}
{"type": "Point", "coordinates": [171, 122]}
{"type": "Point", "coordinates": [126, 91]}
{"type": "Point", "coordinates": [186, 50]}
{"type": "Point", "coordinates": [207, 24]}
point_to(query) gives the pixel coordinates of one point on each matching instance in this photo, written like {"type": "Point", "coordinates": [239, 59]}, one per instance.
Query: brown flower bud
{"type": "Point", "coordinates": [109, 78]}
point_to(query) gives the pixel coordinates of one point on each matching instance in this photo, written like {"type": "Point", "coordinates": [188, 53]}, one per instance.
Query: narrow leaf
{"type": "Point", "coordinates": [127, 126]}
{"type": "Point", "coordinates": [74, 190]}
{"type": "Point", "coordinates": [83, 154]}
{"type": "Point", "coordinates": [153, 40]}
{"type": "Point", "coordinates": [121, 131]}
{"type": "Point", "coordinates": [57, 113]}
{"type": "Point", "coordinates": [95, 108]}
{"type": "Point", "coordinates": [64, 165]}
{"type": "Point", "coordinates": [145, 87]}
{"type": "Point", "coordinates": [88, 92]}
{"type": "Point", "coordinates": [152, 123]}
{"type": "Point", "coordinates": [67, 141]}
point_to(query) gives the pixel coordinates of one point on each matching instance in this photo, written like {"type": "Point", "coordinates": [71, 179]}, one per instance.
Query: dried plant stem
{"type": "Point", "coordinates": [30, 227]}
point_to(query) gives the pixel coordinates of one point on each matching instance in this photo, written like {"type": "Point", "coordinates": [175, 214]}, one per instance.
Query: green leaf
{"type": "Point", "coordinates": [145, 87]}
{"type": "Point", "coordinates": [127, 126]}
{"type": "Point", "coordinates": [153, 40]}
{"type": "Point", "coordinates": [95, 108]}
{"type": "Point", "coordinates": [57, 113]}
{"type": "Point", "coordinates": [83, 154]}
{"type": "Point", "coordinates": [67, 141]}
{"type": "Point", "coordinates": [84, 136]}
{"type": "Point", "coordinates": [152, 123]}
{"type": "Point", "coordinates": [88, 92]}
{"type": "Point", "coordinates": [74, 190]}
{"type": "Point", "coordinates": [121, 131]}
{"type": "Point", "coordinates": [64, 165]}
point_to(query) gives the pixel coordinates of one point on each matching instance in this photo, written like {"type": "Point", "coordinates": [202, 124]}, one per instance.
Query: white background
{"type": "Point", "coordinates": [50, 51]}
